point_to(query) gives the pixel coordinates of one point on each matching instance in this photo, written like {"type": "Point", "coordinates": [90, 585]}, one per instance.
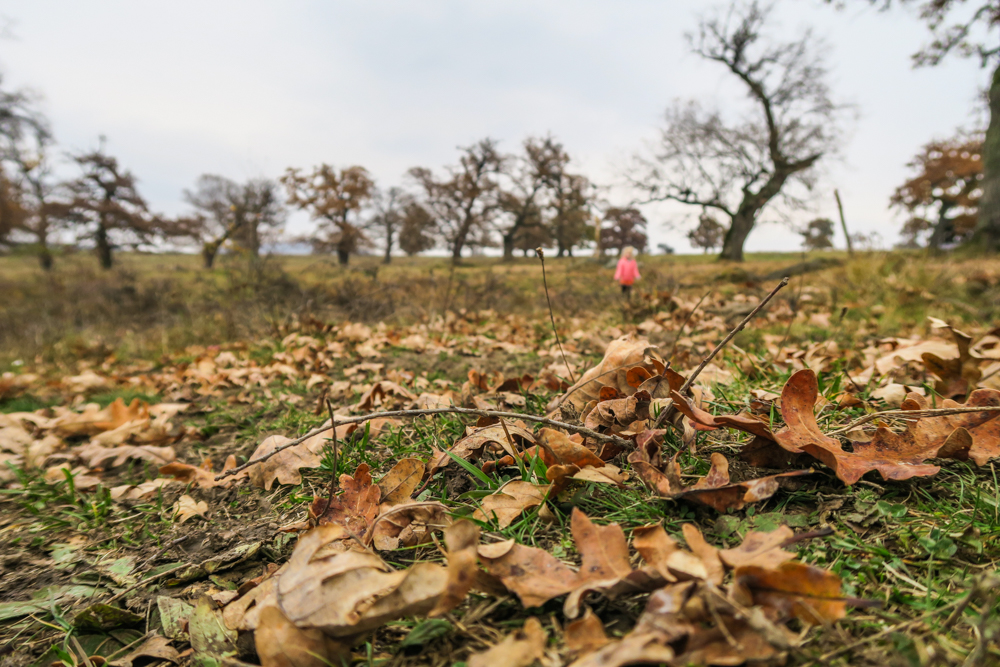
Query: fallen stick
{"type": "Point", "coordinates": [582, 430]}
{"type": "Point", "coordinates": [914, 414]}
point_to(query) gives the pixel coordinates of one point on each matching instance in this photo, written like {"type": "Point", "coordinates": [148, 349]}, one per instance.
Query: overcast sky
{"type": "Point", "coordinates": [246, 88]}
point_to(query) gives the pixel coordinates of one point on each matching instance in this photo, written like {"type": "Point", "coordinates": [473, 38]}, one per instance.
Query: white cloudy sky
{"type": "Point", "coordinates": [246, 88]}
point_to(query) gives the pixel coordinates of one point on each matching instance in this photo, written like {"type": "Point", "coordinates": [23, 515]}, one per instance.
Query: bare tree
{"type": "Point", "coordinates": [737, 167]}
{"type": "Point", "coordinates": [388, 219]}
{"type": "Point", "coordinates": [25, 138]}
{"type": "Point", "coordinates": [530, 175]}
{"type": "Point", "coordinates": [335, 200]}
{"type": "Point", "coordinates": [226, 211]}
{"type": "Point", "coordinates": [464, 202]}
{"type": "Point", "coordinates": [106, 206]}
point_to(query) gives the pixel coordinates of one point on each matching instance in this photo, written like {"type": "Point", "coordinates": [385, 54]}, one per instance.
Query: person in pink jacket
{"type": "Point", "coordinates": [627, 271]}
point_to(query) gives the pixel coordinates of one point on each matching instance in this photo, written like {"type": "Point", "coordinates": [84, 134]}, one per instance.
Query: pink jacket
{"type": "Point", "coordinates": [627, 271]}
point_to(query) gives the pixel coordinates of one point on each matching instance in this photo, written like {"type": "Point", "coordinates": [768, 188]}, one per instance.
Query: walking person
{"type": "Point", "coordinates": [627, 271]}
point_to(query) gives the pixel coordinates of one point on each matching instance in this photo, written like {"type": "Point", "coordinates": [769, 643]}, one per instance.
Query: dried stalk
{"type": "Point", "coordinates": [600, 437]}
{"type": "Point", "coordinates": [914, 414]}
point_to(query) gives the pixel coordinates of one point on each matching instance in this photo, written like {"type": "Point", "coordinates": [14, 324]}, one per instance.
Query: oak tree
{"type": "Point", "coordinates": [708, 234]}
{"type": "Point", "coordinates": [570, 202]}
{"type": "Point", "coordinates": [105, 206]}
{"type": "Point", "coordinates": [334, 199]}
{"type": "Point", "coordinates": [416, 232]}
{"type": "Point", "coordinates": [388, 219]}
{"type": "Point", "coordinates": [623, 227]}
{"type": "Point", "coordinates": [530, 176]}
{"type": "Point", "coordinates": [738, 166]}
{"type": "Point", "coordinates": [946, 190]}
{"type": "Point", "coordinates": [464, 202]}
{"type": "Point", "coordinates": [818, 234]}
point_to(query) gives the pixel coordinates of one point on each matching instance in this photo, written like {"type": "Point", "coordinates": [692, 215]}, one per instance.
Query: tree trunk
{"type": "Point", "coordinates": [942, 230]}
{"type": "Point", "coordinates": [736, 236]}
{"type": "Point", "coordinates": [987, 234]}
{"type": "Point", "coordinates": [387, 258]}
{"type": "Point", "coordinates": [103, 247]}
{"type": "Point", "coordinates": [45, 257]}
{"type": "Point", "coordinates": [343, 256]}
{"type": "Point", "coordinates": [208, 253]}
{"type": "Point", "coordinates": [508, 247]}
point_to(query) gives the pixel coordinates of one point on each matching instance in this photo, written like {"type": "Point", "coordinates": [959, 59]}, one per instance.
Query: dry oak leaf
{"type": "Point", "coordinates": [762, 549]}
{"type": "Point", "coordinates": [280, 643]}
{"type": "Point", "coordinates": [186, 508]}
{"type": "Point", "coordinates": [555, 447]}
{"type": "Point", "coordinates": [243, 613]}
{"type": "Point", "coordinates": [201, 475]}
{"type": "Point", "coordinates": [894, 457]}
{"type": "Point", "coordinates": [714, 489]}
{"type": "Point", "coordinates": [462, 539]}
{"type": "Point", "coordinates": [533, 574]}
{"type": "Point", "coordinates": [401, 481]}
{"type": "Point", "coordinates": [346, 593]}
{"type": "Point", "coordinates": [478, 440]}
{"type": "Point", "coordinates": [586, 634]}
{"type": "Point", "coordinates": [355, 508]}
{"type": "Point", "coordinates": [621, 356]}
{"type": "Point", "coordinates": [619, 411]}
{"type": "Point", "coordinates": [705, 421]}
{"type": "Point", "coordinates": [284, 466]}
{"type": "Point", "coordinates": [96, 456]}
{"type": "Point", "coordinates": [509, 501]}
{"type": "Point", "coordinates": [982, 427]}
{"type": "Point", "coordinates": [139, 491]}
{"type": "Point", "coordinates": [956, 375]}
{"type": "Point", "coordinates": [518, 649]}
{"type": "Point", "coordinates": [808, 593]}
{"type": "Point", "coordinates": [407, 525]}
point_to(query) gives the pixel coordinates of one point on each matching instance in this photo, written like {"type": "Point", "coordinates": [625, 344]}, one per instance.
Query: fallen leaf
{"type": "Point", "coordinates": [280, 643]}
{"type": "Point", "coordinates": [555, 447]}
{"type": "Point", "coordinates": [200, 475]}
{"type": "Point", "coordinates": [621, 356]}
{"type": "Point", "coordinates": [97, 456]}
{"type": "Point", "coordinates": [533, 574]}
{"type": "Point", "coordinates": [155, 647]}
{"type": "Point", "coordinates": [284, 466]}
{"type": "Point", "coordinates": [808, 593]}
{"type": "Point", "coordinates": [355, 508]}
{"type": "Point", "coordinates": [474, 445]}
{"type": "Point", "coordinates": [585, 634]}
{"type": "Point", "coordinates": [518, 649]}
{"type": "Point", "coordinates": [461, 538]}
{"type": "Point", "coordinates": [956, 375]}
{"type": "Point", "coordinates": [761, 549]}
{"type": "Point", "coordinates": [186, 507]}
{"type": "Point", "coordinates": [509, 501]}
{"type": "Point", "coordinates": [408, 525]}
{"type": "Point", "coordinates": [399, 483]}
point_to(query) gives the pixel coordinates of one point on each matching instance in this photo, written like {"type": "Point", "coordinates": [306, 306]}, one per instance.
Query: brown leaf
{"type": "Point", "coordinates": [931, 433]}
{"type": "Point", "coordinates": [156, 647]}
{"type": "Point", "coordinates": [956, 375]}
{"type": "Point", "coordinates": [633, 649]}
{"type": "Point", "coordinates": [555, 447]}
{"type": "Point", "coordinates": [708, 554]}
{"type": "Point", "coordinates": [284, 466]}
{"type": "Point", "coordinates": [399, 483]}
{"type": "Point", "coordinates": [97, 456]}
{"type": "Point", "coordinates": [509, 501]}
{"type": "Point", "coordinates": [518, 649]}
{"type": "Point", "coordinates": [534, 575]}
{"type": "Point", "coordinates": [281, 644]}
{"type": "Point", "coordinates": [200, 475]}
{"type": "Point", "coordinates": [761, 549]}
{"type": "Point", "coordinates": [714, 490]}
{"type": "Point", "coordinates": [355, 508]}
{"type": "Point", "coordinates": [586, 634]}
{"type": "Point", "coordinates": [186, 507]}
{"type": "Point", "coordinates": [474, 445]}
{"type": "Point", "coordinates": [619, 411]}
{"type": "Point", "coordinates": [795, 589]}
{"type": "Point", "coordinates": [623, 354]}
{"type": "Point", "coordinates": [802, 434]}
{"type": "Point", "coordinates": [408, 525]}
{"type": "Point", "coordinates": [462, 540]}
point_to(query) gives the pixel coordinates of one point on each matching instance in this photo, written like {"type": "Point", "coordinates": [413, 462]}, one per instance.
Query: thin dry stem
{"type": "Point", "coordinates": [600, 437]}
{"type": "Point", "coordinates": [552, 319]}
{"type": "Point", "coordinates": [913, 414]}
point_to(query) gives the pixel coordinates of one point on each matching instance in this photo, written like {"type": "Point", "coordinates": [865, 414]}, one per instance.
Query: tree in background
{"type": "Point", "coordinates": [24, 142]}
{"type": "Point", "coordinates": [416, 232]}
{"type": "Point", "coordinates": [570, 203]}
{"type": "Point", "coordinates": [105, 206]}
{"type": "Point", "coordinates": [946, 190]}
{"type": "Point", "coordinates": [530, 175]}
{"type": "Point", "coordinates": [334, 199]}
{"type": "Point", "coordinates": [534, 233]}
{"type": "Point", "coordinates": [708, 234]}
{"type": "Point", "coordinates": [623, 227]}
{"type": "Point", "coordinates": [463, 203]}
{"type": "Point", "coordinates": [12, 212]}
{"type": "Point", "coordinates": [388, 219]}
{"type": "Point", "coordinates": [913, 231]}
{"type": "Point", "coordinates": [739, 167]}
{"type": "Point", "coordinates": [227, 211]}
{"type": "Point", "coordinates": [968, 29]}
{"type": "Point", "coordinates": [818, 234]}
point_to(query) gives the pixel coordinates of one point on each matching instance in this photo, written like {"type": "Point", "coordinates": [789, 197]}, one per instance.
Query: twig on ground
{"type": "Point", "coordinates": [711, 355]}
{"type": "Point", "coordinates": [914, 414]}
{"type": "Point", "coordinates": [552, 319]}
{"type": "Point", "coordinates": [600, 437]}
{"type": "Point", "coordinates": [147, 580]}
{"type": "Point", "coordinates": [673, 346]}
